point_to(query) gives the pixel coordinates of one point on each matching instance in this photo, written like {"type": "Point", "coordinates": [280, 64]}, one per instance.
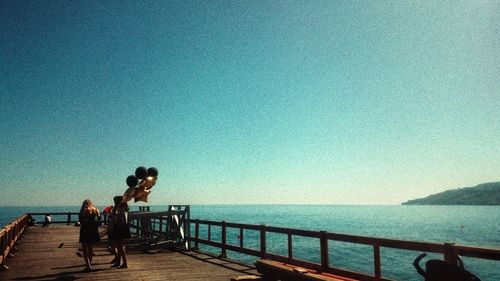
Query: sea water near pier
{"type": "Point", "coordinates": [467, 225]}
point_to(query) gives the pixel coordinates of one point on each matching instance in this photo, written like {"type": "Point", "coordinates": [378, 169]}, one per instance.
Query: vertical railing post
{"type": "Point", "coordinates": [188, 220]}
{"type": "Point", "coordinates": [69, 218]}
{"type": "Point", "coordinates": [376, 261]}
{"type": "Point", "coordinates": [209, 232]}
{"type": "Point", "coordinates": [138, 225]}
{"type": "Point", "coordinates": [324, 251]}
{"type": "Point", "coordinates": [223, 241]}
{"type": "Point", "coordinates": [196, 233]}
{"type": "Point", "coordinates": [290, 246]}
{"type": "Point", "coordinates": [160, 227]}
{"type": "Point", "coordinates": [11, 240]}
{"type": "Point", "coordinates": [15, 228]}
{"type": "Point", "coordinates": [450, 255]}
{"type": "Point", "coordinates": [241, 237]}
{"type": "Point", "coordinates": [2, 247]}
{"type": "Point", "coordinates": [168, 220]}
{"type": "Point", "coordinates": [262, 241]}
{"type": "Point", "coordinates": [9, 237]}
{"type": "Point", "coordinates": [187, 227]}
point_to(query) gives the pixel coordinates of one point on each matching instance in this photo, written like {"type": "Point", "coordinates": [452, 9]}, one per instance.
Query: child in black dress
{"type": "Point", "coordinates": [89, 218]}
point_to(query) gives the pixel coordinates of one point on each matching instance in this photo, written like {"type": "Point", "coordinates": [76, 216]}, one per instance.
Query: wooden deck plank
{"type": "Point", "coordinates": [53, 253]}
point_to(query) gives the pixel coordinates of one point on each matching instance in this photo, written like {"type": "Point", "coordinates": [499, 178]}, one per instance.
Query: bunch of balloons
{"type": "Point", "coordinates": [140, 184]}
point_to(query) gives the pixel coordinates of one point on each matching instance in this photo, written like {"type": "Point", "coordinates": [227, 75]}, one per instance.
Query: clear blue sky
{"type": "Point", "coordinates": [317, 102]}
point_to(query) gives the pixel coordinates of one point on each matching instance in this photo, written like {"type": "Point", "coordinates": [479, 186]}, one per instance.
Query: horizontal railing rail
{"type": "Point", "coordinates": [450, 251]}
{"type": "Point", "coordinates": [9, 235]}
{"type": "Point", "coordinates": [57, 217]}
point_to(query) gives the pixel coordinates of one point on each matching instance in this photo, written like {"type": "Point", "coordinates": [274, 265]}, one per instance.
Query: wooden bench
{"type": "Point", "coordinates": [273, 270]}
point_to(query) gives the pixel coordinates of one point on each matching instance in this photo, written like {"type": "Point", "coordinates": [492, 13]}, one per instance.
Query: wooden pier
{"type": "Point", "coordinates": [165, 246]}
{"type": "Point", "coordinates": [52, 253]}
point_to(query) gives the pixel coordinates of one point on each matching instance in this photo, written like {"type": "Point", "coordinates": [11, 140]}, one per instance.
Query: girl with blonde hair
{"type": "Point", "coordinates": [89, 218]}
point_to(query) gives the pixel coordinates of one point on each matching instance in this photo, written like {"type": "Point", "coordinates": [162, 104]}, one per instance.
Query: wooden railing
{"type": "Point", "coordinates": [171, 225]}
{"type": "Point", "coordinates": [60, 217]}
{"type": "Point", "coordinates": [175, 224]}
{"type": "Point", "coordinates": [9, 235]}
{"type": "Point", "coordinates": [144, 223]}
{"type": "Point", "coordinates": [449, 250]}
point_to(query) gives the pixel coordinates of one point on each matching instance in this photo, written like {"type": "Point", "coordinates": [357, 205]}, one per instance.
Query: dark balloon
{"type": "Point", "coordinates": [152, 172]}
{"type": "Point", "coordinates": [132, 180]}
{"type": "Point", "coordinates": [141, 172]}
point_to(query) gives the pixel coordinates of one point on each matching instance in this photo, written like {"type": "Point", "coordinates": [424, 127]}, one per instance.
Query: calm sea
{"type": "Point", "coordinates": [467, 225]}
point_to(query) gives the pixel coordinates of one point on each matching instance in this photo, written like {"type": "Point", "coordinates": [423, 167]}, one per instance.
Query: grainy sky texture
{"type": "Point", "coordinates": [315, 102]}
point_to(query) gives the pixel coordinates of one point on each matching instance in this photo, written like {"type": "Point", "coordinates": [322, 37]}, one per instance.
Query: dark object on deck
{"type": "Point", "coordinates": [438, 270]}
{"type": "Point", "coordinates": [152, 172]}
{"type": "Point", "coordinates": [141, 172]}
{"type": "Point", "coordinates": [132, 180]}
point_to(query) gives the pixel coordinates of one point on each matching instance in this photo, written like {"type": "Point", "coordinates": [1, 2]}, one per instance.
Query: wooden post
{"type": "Point", "coordinates": [187, 227]}
{"type": "Point", "coordinates": [137, 221]}
{"type": "Point", "coordinates": [324, 251]}
{"type": "Point", "coordinates": [223, 240]}
{"type": "Point", "coordinates": [262, 241]}
{"type": "Point", "coordinates": [209, 232]}
{"type": "Point", "coordinates": [188, 220]}
{"type": "Point", "coordinates": [196, 233]}
{"type": "Point", "coordinates": [3, 247]}
{"type": "Point", "coordinates": [376, 261]}
{"type": "Point", "coordinates": [450, 255]}
{"type": "Point", "coordinates": [241, 237]}
{"type": "Point", "coordinates": [69, 218]}
{"type": "Point", "coordinates": [290, 246]}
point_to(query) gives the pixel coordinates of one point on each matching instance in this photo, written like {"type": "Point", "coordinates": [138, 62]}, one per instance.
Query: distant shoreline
{"type": "Point", "coordinates": [486, 194]}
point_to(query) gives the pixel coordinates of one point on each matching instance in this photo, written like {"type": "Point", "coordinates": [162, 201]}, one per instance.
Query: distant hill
{"type": "Point", "coordinates": [483, 194]}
